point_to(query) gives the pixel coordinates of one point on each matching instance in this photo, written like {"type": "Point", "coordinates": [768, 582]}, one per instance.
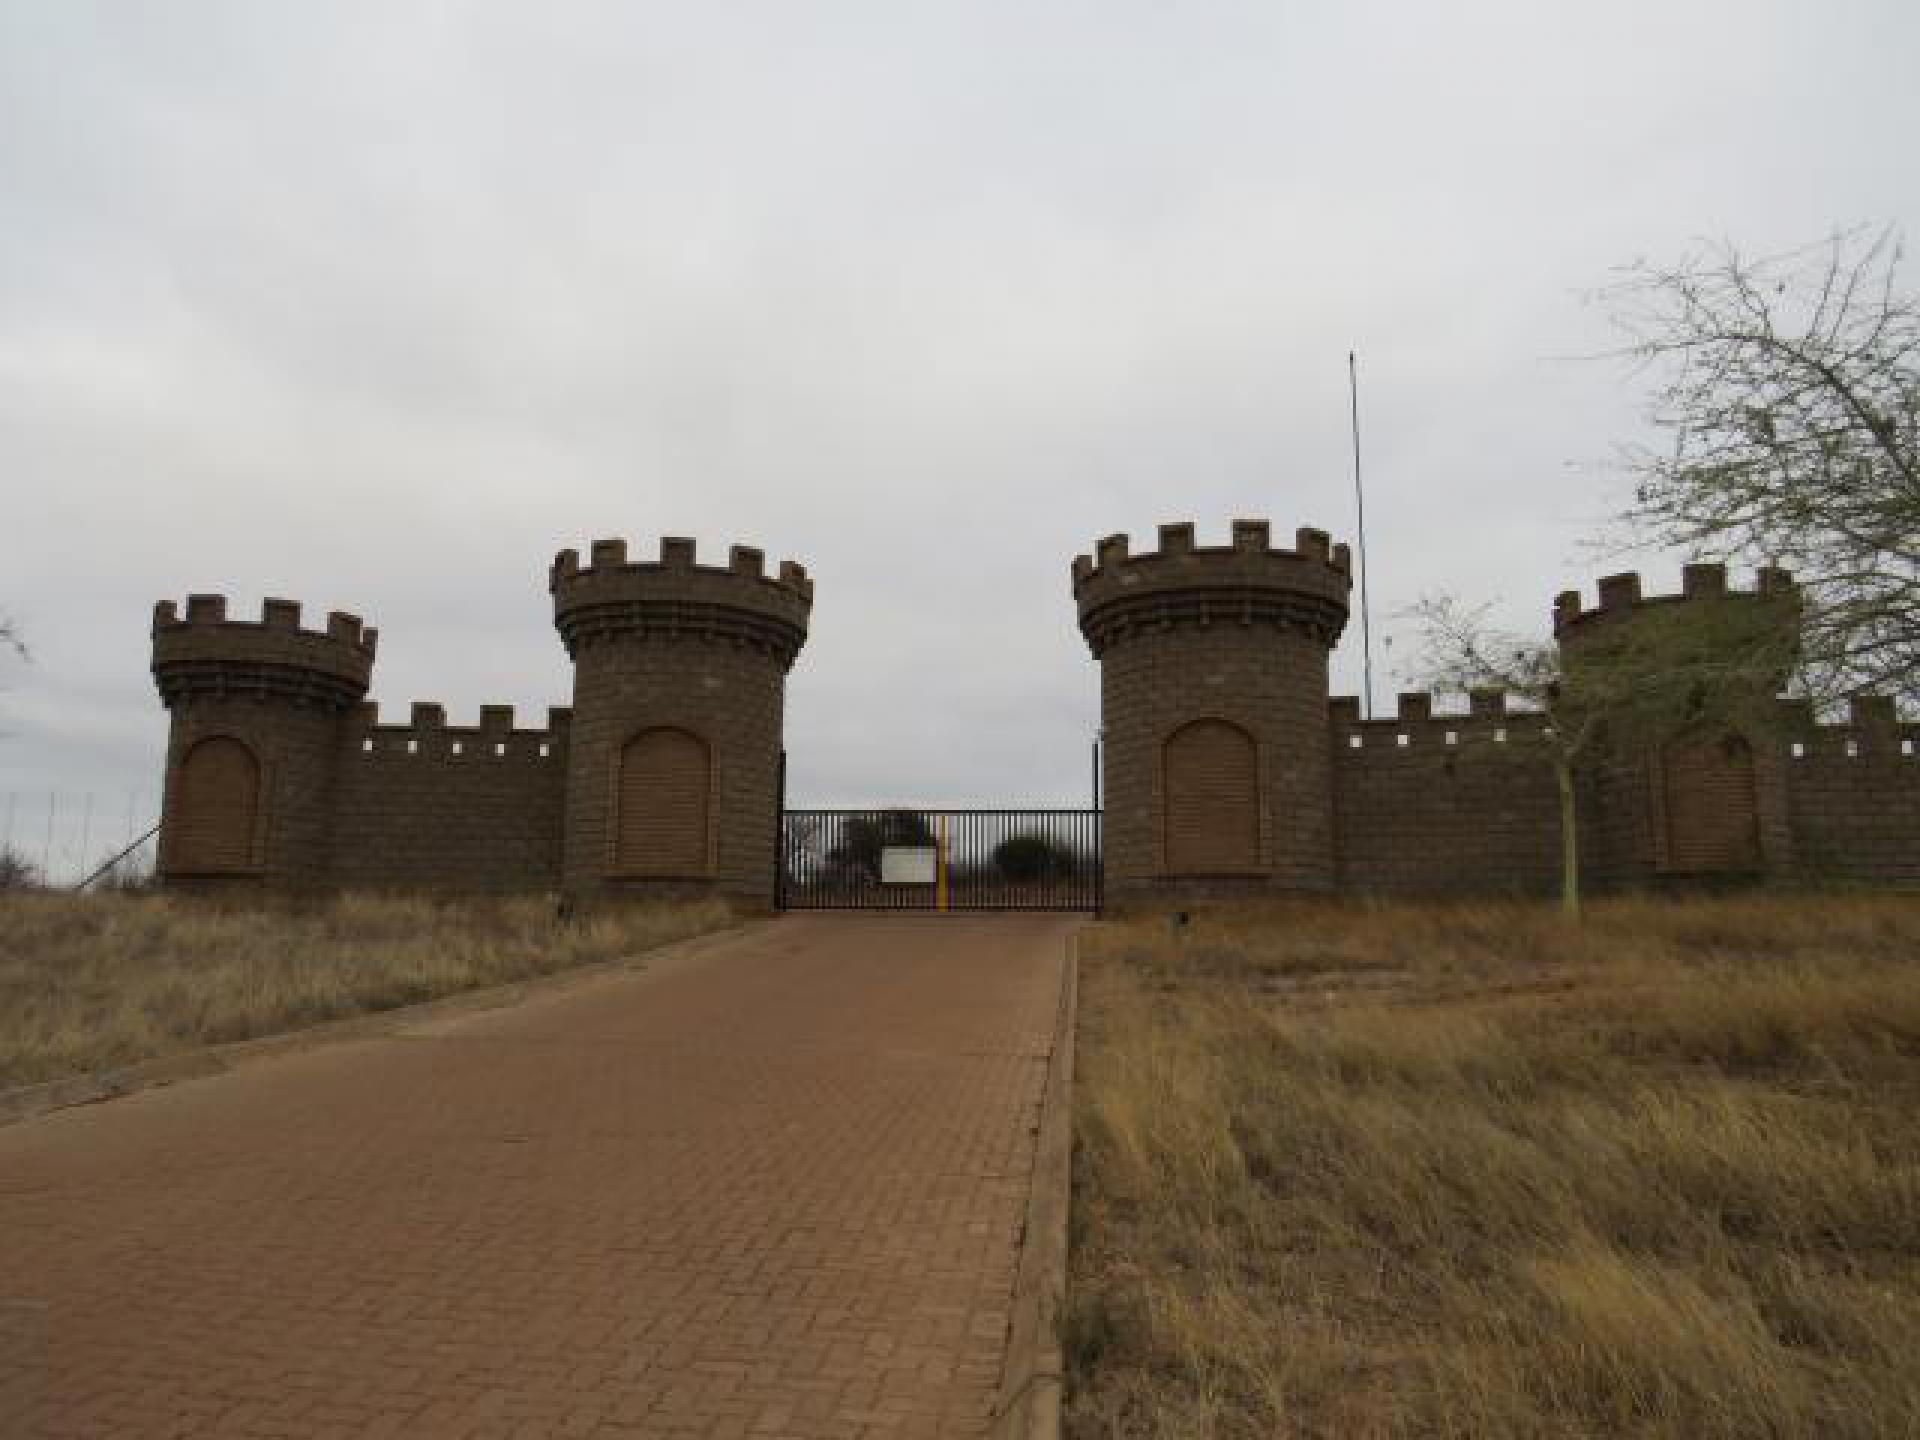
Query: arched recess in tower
{"type": "Point", "coordinates": [1713, 824]}
{"type": "Point", "coordinates": [216, 807]}
{"type": "Point", "coordinates": [664, 825]}
{"type": "Point", "coordinates": [1211, 784]}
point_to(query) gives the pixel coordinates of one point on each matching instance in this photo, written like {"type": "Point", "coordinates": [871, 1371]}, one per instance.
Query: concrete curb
{"type": "Point", "coordinates": [26, 1102]}
{"type": "Point", "coordinates": [1032, 1380]}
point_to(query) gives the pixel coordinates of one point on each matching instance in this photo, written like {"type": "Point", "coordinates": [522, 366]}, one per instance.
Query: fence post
{"type": "Point", "coordinates": [780, 836]}
{"type": "Point", "coordinates": [940, 861]}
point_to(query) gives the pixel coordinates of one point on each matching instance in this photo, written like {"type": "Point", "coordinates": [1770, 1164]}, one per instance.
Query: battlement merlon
{"type": "Point", "coordinates": [1874, 718]}
{"type": "Point", "coordinates": [675, 596]}
{"type": "Point", "coordinates": [1415, 713]}
{"type": "Point", "coordinates": [1622, 595]}
{"type": "Point", "coordinates": [205, 653]}
{"type": "Point", "coordinates": [426, 730]}
{"type": "Point", "coordinates": [1248, 580]}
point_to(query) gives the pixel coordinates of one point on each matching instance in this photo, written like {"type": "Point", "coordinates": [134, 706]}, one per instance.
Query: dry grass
{"type": "Point", "coordinates": [94, 982]}
{"type": "Point", "coordinates": [1474, 1172]}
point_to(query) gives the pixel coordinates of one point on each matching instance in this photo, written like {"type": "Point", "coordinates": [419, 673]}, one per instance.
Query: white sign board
{"type": "Point", "coordinates": [907, 864]}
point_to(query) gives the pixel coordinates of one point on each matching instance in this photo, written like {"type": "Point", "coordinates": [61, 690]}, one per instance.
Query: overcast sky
{"type": "Point", "coordinates": [375, 306]}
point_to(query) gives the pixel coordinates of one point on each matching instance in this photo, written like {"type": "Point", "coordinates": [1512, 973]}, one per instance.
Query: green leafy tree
{"type": "Point", "coordinates": [1032, 856]}
{"type": "Point", "coordinates": [863, 837]}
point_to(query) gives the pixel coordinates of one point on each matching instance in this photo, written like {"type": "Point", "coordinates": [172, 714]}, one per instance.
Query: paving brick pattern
{"type": "Point", "coordinates": [773, 1191]}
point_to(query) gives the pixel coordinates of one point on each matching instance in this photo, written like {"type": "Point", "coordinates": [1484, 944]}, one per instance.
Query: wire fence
{"type": "Point", "coordinates": [59, 838]}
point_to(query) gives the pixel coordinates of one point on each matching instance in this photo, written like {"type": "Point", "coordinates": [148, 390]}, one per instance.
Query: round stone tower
{"type": "Point", "coordinates": [1213, 701]}
{"type": "Point", "coordinates": [256, 715]}
{"type": "Point", "coordinates": [1686, 784]}
{"type": "Point", "coordinates": [679, 684]}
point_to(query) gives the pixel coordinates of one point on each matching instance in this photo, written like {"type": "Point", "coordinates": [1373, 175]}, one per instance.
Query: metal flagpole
{"type": "Point", "coordinates": [1360, 516]}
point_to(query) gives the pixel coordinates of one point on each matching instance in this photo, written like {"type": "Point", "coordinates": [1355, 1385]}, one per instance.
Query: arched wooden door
{"type": "Point", "coordinates": [216, 807]}
{"type": "Point", "coordinates": [664, 823]}
{"type": "Point", "coordinates": [1713, 823]}
{"type": "Point", "coordinates": [1211, 784]}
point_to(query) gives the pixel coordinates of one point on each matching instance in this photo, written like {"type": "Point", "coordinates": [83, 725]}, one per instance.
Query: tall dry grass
{"type": "Point", "coordinates": [1475, 1171]}
{"type": "Point", "coordinates": [93, 982]}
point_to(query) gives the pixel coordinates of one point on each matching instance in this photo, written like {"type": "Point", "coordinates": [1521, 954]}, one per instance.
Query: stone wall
{"type": "Point", "coordinates": [1853, 796]}
{"type": "Point", "coordinates": [1229, 772]}
{"type": "Point", "coordinates": [1428, 804]}
{"type": "Point", "coordinates": [436, 807]}
{"type": "Point", "coordinates": [345, 801]}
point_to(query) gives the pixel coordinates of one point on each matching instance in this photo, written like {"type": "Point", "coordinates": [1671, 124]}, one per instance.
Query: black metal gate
{"type": "Point", "coordinates": [903, 859]}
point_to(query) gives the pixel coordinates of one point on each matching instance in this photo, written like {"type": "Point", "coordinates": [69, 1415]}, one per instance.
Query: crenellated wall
{"type": "Point", "coordinates": [280, 775]}
{"type": "Point", "coordinates": [427, 805]}
{"type": "Point", "coordinates": [1718, 784]}
{"type": "Point", "coordinates": [1429, 803]}
{"type": "Point", "coordinates": [1853, 794]}
{"type": "Point", "coordinates": [1433, 803]}
{"type": "Point", "coordinates": [1229, 771]}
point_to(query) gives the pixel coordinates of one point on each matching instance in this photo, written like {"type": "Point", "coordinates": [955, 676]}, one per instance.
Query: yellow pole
{"type": "Point", "coordinates": [940, 859]}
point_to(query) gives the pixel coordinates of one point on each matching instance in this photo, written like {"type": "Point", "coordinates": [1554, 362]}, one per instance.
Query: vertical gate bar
{"type": "Point", "coordinates": [968, 852]}
{"type": "Point", "coordinates": [984, 868]}
{"type": "Point", "coordinates": [1099, 874]}
{"type": "Point", "coordinates": [976, 871]}
{"type": "Point", "coordinates": [1006, 897]}
{"type": "Point", "coordinates": [964, 895]}
{"type": "Point", "coordinates": [982, 863]}
{"type": "Point", "coordinates": [1080, 861]}
{"type": "Point", "coordinates": [968, 875]}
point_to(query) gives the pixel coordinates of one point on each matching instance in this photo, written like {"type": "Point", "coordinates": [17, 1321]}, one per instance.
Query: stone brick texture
{"type": "Point", "coordinates": [347, 801]}
{"type": "Point", "coordinates": [1433, 804]}
{"type": "Point", "coordinates": [677, 645]}
{"type": "Point", "coordinates": [1238, 634]}
{"type": "Point", "coordinates": [1268, 683]}
{"type": "Point", "coordinates": [730, 697]}
{"type": "Point", "coordinates": [1216, 644]}
{"type": "Point", "coordinates": [427, 805]}
{"type": "Point", "coordinates": [1426, 803]}
{"type": "Point", "coordinates": [1853, 796]}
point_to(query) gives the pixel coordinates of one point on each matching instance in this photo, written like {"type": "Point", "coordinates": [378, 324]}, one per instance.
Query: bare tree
{"type": "Point", "coordinates": [1631, 681]}
{"type": "Point", "coordinates": [1789, 388]}
{"type": "Point", "coordinates": [11, 640]}
{"type": "Point", "coordinates": [19, 873]}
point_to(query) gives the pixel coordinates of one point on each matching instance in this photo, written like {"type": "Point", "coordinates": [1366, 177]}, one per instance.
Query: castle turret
{"type": "Point", "coordinates": [1213, 699]}
{"type": "Point", "coordinates": [256, 713]}
{"type": "Point", "coordinates": [1687, 784]}
{"type": "Point", "coordinates": [673, 769]}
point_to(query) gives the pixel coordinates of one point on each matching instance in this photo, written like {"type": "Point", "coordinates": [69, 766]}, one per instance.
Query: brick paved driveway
{"type": "Point", "coordinates": [776, 1190]}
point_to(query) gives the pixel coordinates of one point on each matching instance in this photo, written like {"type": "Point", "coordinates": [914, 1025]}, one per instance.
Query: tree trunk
{"type": "Point", "coordinates": [1569, 841]}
